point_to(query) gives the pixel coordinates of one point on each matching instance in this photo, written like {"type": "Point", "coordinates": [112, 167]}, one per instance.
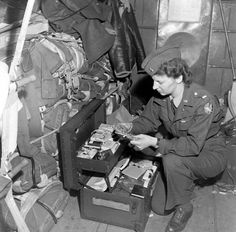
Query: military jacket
{"type": "Point", "coordinates": [194, 125]}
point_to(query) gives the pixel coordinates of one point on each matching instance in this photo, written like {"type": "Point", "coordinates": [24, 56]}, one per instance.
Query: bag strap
{"type": "Point", "coordinates": [30, 198]}
{"type": "Point", "coordinates": [23, 138]}
{"type": "Point", "coordinates": [33, 196]}
{"type": "Point", "coordinates": [26, 149]}
{"type": "Point", "coordinates": [50, 210]}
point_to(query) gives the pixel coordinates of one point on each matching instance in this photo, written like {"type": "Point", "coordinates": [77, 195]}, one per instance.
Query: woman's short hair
{"type": "Point", "coordinates": [175, 68]}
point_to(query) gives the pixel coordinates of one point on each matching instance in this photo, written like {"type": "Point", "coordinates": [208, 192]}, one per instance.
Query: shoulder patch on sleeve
{"type": "Point", "coordinates": [208, 108]}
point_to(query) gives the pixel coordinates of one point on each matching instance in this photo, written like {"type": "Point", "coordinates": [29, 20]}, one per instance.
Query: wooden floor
{"type": "Point", "coordinates": [214, 211]}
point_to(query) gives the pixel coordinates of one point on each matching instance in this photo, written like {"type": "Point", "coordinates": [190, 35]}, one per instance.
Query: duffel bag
{"type": "Point", "coordinates": [41, 208]}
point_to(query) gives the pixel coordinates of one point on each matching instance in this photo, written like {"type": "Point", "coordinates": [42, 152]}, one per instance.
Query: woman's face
{"type": "Point", "coordinates": [164, 85]}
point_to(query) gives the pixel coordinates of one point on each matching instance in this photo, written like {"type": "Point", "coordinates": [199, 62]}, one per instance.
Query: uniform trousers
{"type": "Point", "coordinates": [178, 174]}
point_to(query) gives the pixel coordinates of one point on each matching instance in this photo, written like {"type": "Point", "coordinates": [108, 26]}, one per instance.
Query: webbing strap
{"type": "Point", "coordinates": [33, 195]}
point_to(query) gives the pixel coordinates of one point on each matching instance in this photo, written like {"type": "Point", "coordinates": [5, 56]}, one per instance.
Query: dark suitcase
{"type": "Point", "coordinates": [73, 135]}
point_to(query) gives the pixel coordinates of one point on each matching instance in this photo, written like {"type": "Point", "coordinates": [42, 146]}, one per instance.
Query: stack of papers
{"type": "Point", "coordinates": [134, 171]}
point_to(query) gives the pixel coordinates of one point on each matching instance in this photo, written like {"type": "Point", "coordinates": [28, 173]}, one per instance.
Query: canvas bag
{"type": "Point", "coordinates": [41, 208]}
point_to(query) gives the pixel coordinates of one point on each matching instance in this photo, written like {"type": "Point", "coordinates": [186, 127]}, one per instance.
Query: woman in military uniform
{"type": "Point", "coordinates": [194, 151]}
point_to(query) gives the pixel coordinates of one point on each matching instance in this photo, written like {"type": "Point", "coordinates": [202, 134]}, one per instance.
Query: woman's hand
{"type": "Point", "coordinates": [142, 141]}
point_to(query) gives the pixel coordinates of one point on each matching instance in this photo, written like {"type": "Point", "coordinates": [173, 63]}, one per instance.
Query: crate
{"type": "Point", "coordinates": [117, 207]}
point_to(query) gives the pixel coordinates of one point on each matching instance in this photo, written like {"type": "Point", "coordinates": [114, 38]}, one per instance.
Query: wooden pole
{"type": "Point", "coordinates": [10, 118]}
{"type": "Point", "coordinates": [13, 104]}
{"type": "Point", "coordinates": [21, 39]}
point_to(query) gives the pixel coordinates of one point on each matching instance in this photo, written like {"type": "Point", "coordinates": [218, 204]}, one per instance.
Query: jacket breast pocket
{"type": "Point", "coordinates": [183, 126]}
